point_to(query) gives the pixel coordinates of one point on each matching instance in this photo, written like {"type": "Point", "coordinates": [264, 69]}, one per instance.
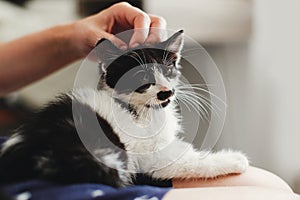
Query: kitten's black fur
{"type": "Point", "coordinates": [49, 140]}
{"type": "Point", "coordinates": [51, 148]}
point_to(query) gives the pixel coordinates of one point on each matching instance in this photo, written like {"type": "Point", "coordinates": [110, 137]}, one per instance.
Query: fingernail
{"type": "Point", "coordinates": [135, 45]}
{"type": "Point", "coordinates": [123, 47]}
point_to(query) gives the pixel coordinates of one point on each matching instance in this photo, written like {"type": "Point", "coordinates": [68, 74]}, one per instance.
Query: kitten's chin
{"type": "Point", "coordinates": [159, 106]}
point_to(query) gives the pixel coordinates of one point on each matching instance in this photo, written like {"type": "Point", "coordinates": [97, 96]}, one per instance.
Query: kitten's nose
{"type": "Point", "coordinates": [163, 95]}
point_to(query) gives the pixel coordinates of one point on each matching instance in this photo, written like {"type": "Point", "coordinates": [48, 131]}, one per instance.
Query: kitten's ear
{"type": "Point", "coordinates": [106, 52]}
{"type": "Point", "coordinates": [175, 42]}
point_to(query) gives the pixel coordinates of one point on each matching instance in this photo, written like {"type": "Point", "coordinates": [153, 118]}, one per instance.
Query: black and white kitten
{"type": "Point", "coordinates": [134, 106]}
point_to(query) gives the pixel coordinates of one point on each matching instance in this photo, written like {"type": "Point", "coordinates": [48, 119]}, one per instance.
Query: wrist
{"type": "Point", "coordinates": [67, 42]}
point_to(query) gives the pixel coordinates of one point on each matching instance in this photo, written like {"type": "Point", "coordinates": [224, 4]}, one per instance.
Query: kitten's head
{"type": "Point", "coordinates": [143, 77]}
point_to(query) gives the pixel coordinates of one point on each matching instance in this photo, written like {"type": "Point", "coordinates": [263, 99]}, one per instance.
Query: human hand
{"type": "Point", "coordinates": [117, 18]}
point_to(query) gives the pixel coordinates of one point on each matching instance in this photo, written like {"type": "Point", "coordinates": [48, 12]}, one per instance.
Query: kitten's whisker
{"type": "Point", "coordinates": [191, 49]}
{"type": "Point", "coordinates": [145, 115]}
{"type": "Point", "coordinates": [210, 106]}
{"type": "Point", "coordinates": [140, 71]}
{"type": "Point", "coordinates": [198, 107]}
{"type": "Point", "coordinates": [169, 61]}
{"type": "Point", "coordinates": [201, 100]}
{"type": "Point", "coordinates": [186, 102]}
{"type": "Point", "coordinates": [204, 99]}
{"type": "Point", "coordinates": [203, 90]}
{"type": "Point", "coordinates": [143, 55]}
{"type": "Point", "coordinates": [165, 52]}
{"type": "Point", "coordinates": [137, 60]}
{"type": "Point", "coordinates": [181, 83]}
{"type": "Point", "coordinates": [198, 97]}
{"type": "Point", "coordinates": [186, 105]}
{"type": "Point", "coordinates": [142, 111]}
{"type": "Point", "coordinates": [138, 56]}
{"type": "Point", "coordinates": [195, 84]}
{"type": "Point", "coordinates": [142, 62]}
{"type": "Point", "coordinates": [198, 103]}
{"type": "Point", "coordinates": [176, 100]}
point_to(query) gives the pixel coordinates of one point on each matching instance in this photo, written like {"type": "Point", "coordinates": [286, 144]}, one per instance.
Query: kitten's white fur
{"type": "Point", "coordinates": [162, 154]}
{"type": "Point", "coordinates": [14, 139]}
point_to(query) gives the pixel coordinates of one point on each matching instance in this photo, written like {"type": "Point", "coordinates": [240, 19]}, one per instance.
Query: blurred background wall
{"type": "Point", "coordinates": [255, 44]}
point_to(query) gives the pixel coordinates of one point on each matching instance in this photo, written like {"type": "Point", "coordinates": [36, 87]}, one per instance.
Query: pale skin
{"type": "Point", "coordinates": [34, 56]}
{"type": "Point", "coordinates": [254, 184]}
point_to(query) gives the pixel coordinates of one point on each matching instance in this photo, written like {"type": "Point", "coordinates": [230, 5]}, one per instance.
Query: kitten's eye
{"type": "Point", "coordinates": [146, 78]}
{"type": "Point", "coordinates": [170, 72]}
{"type": "Point", "coordinates": [174, 64]}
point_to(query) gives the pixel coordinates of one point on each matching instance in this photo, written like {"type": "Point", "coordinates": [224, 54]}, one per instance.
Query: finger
{"type": "Point", "coordinates": [158, 32]}
{"type": "Point", "coordinates": [136, 18]}
{"type": "Point", "coordinates": [115, 40]}
{"type": "Point", "coordinates": [141, 30]}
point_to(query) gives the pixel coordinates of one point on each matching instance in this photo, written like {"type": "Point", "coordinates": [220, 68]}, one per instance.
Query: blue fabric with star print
{"type": "Point", "coordinates": [38, 190]}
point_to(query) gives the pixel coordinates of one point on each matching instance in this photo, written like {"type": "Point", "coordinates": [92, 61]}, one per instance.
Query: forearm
{"type": "Point", "coordinates": [32, 57]}
{"type": "Point", "coordinates": [232, 193]}
{"type": "Point", "coordinates": [252, 177]}
{"type": "Point", "coordinates": [255, 184]}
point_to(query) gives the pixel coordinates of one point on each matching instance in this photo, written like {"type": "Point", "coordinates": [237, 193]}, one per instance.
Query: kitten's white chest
{"type": "Point", "coordinates": [154, 133]}
{"type": "Point", "coordinates": [150, 135]}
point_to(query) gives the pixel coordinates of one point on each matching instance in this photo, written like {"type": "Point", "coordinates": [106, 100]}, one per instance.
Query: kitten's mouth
{"type": "Point", "coordinates": [161, 105]}
{"type": "Point", "coordinates": [165, 103]}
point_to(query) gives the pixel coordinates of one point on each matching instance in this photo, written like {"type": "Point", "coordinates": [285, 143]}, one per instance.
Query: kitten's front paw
{"type": "Point", "coordinates": [228, 162]}
{"type": "Point", "coordinates": [239, 162]}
